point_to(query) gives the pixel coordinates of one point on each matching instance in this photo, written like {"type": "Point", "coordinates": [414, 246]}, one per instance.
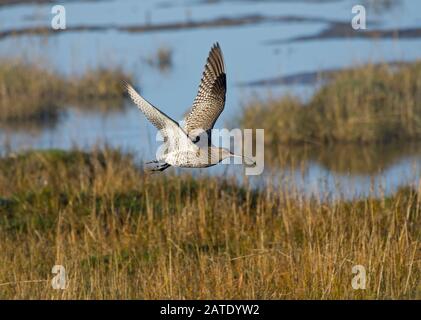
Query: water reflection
{"type": "Point", "coordinates": [345, 159]}
{"type": "Point", "coordinates": [33, 126]}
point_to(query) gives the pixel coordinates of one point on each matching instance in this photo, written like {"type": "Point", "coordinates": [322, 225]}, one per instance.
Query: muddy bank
{"type": "Point", "coordinates": [307, 78]}
{"type": "Point", "coordinates": [5, 3]}
{"type": "Point", "coordinates": [225, 21]}
{"type": "Point", "coordinates": [344, 30]}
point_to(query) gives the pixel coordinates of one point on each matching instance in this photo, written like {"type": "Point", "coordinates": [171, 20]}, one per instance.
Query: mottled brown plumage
{"type": "Point", "coordinates": [210, 99]}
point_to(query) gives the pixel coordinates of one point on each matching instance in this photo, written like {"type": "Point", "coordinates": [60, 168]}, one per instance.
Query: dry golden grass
{"type": "Point", "coordinates": [123, 234]}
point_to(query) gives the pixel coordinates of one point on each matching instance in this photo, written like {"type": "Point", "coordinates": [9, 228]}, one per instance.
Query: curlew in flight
{"type": "Point", "coordinates": [182, 147]}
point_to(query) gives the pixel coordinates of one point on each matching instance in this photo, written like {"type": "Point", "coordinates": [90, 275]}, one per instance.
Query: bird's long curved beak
{"type": "Point", "coordinates": [246, 160]}
{"type": "Point", "coordinates": [251, 162]}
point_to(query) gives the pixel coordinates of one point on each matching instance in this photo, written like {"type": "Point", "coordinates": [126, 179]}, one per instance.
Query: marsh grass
{"type": "Point", "coordinates": [123, 234]}
{"type": "Point", "coordinates": [31, 92]}
{"type": "Point", "coordinates": [368, 104]}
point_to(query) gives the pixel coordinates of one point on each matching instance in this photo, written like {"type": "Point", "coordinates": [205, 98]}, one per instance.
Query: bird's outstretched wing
{"type": "Point", "coordinates": [174, 135]}
{"type": "Point", "coordinates": [210, 99]}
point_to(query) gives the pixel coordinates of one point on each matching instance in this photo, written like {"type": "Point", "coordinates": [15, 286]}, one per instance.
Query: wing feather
{"type": "Point", "coordinates": [174, 135]}
{"type": "Point", "coordinates": [210, 99]}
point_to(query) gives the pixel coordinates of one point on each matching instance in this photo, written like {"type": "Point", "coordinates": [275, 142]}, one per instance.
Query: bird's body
{"type": "Point", "coordinates": [200, 158]}
{"type": "Point", "coordinates": [190, 146]}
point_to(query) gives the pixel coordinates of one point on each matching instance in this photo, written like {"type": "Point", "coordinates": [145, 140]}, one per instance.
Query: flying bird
{"type": "Point", "coordinates": [184, 146]}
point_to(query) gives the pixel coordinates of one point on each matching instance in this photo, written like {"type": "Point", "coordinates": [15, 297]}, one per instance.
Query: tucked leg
{"type": "Point", "coordinates": [160, 167]}
{"type": "Point", "coordinates": [153, 161]}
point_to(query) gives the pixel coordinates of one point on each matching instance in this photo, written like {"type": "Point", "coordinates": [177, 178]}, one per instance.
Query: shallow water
{"type": "Point", "coordinates": [249, 57]}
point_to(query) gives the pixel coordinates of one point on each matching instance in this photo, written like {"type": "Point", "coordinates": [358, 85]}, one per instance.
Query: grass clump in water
{"type": "Point", "coordinates": [31, 92]}
{"type": "Point", "coordinates": [369, 104]}
{"type": "Point", "coordinates": [162, 59]}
